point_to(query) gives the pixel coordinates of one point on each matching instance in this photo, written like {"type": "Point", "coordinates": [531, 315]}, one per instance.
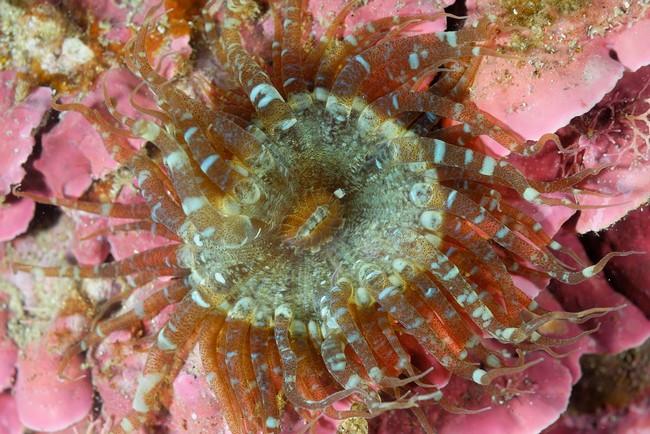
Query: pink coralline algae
{"type": "Point", "coordinates": [523, 100]}
{"type": "Point", "coordinates": [43, 400]}
{"type": "Point", "coordinates": [598, 102]}
{"type": "Point", "coordinates": [19, 120]}
{"type": "Point", "coordinates": [571, 66]}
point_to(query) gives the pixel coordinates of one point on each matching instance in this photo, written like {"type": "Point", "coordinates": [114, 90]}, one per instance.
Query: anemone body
{"type": "Point", "coordinates": [325, 209]}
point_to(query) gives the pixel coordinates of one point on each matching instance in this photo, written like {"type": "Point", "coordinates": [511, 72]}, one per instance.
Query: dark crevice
{"type": "Point", "coordinates": [264, 6]}
{"type": "Point", "coordinates": [590, 242]}
{"type": "Point", "coordinates": [45, 216]}
{"type": "Point", "coordinates": [617, 279]}
{"type": "Point", "coordinates": [458, 8]}
{"type": "Point", "coordinates": [98, 403]}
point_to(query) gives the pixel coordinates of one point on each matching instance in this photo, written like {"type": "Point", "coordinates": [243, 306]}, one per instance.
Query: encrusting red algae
{"type": "Point", "coordinates": [327, 208]}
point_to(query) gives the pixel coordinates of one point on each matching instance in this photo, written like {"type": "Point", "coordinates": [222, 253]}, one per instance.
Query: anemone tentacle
{"type": "Point", "coordinates": [322, 211]}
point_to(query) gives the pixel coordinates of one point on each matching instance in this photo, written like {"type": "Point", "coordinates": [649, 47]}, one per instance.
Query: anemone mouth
{"type": "Point", "coordinates": [314, 222]}
{"type": "Point", "coordinates": [320, 214]}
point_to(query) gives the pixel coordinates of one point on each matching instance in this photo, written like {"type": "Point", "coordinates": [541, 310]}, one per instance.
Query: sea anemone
{"type": "Point", "coordinates": [326, 212]}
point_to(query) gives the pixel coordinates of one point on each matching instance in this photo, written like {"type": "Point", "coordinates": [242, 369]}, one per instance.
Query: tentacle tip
{"type": "Point", "coordinates": [63, 378]}
{"type": "Point", "coordinates": [485, 378]}
{"type": "Point", "coordinates": [533, 147]}
{"type": "Point", "coordinates": [619, 307]}
{"type": "Point", "coordinates": [459, 410]}
{"type": "Point", "coordinates": [548, 350]}
{"type": "Point", "coordinates": [55, 105]}
{"type": "Point", "coordinates": [16, 190]}
{"type": "Point", "coordinates": [633, 252]}
{"type": "Point", "coordinates": [533, 363]}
